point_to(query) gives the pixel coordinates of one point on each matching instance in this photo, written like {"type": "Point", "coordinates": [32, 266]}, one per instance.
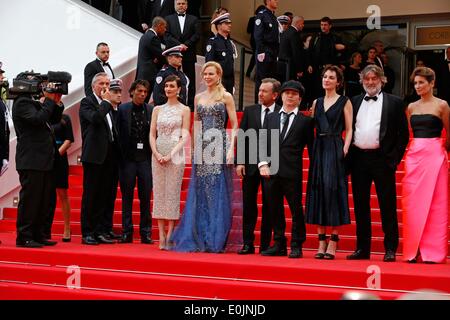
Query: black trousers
{"type": "Point", "coordinates": [250, 186]}
{"type": "Point", "coordinates": [372, 167]}
{"type": "Point", "coordinates": [264, 70]}
{"type": "Point", "coordinates": [228, 83]}
{"type": "Point", "coordinates": [189, 70]}
{"type": "Point", "coordinates": [277, 189]}
{"type": "Point", "coordinates": [106, 224]}
{"type": "Point", "coordinates": [34, 204]}
{"type": "Point", "coordinates": [97, 186]}
{"type": "Point", "coordinates": [130, 171]}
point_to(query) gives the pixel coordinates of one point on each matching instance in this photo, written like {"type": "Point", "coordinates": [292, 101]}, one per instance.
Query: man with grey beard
{"type": "Point", "coordinates": [379, 142]}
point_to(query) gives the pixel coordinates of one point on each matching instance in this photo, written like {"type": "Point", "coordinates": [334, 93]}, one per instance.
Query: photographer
{"type": "Point", "coordinates": [4, 126]}
{"type": "Point", "coordinates": [34, 162]}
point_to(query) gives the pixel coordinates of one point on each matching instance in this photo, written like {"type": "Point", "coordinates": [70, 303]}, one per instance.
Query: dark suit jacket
{"type": "Point", "coordinates": [300, 135]}
{"type": "Point", "coordinates": [167, 8]}
{"type": "Point", "coordinates": [190, 36]}
{"type": "Point", "coordinates": [4, 133]}
{"type": "Point", "coordinates": [35, 140]}
{"type": "Point", "coordinates": [443, 81]}
{"type": "Point", "coordinates": [91, 69]}
{"type": "Point", "coordinates": [95, 131]}
{"type": "Point", "coordinates": [150, 58]}
{"type": "Point", "coordinates": [124, 128]}
{"type": "Point", "coordinates": [291, 50]}
{"type": "Point", "coordinates": [394, 133]}
{"type": "Point", "coordinates": [251, 120]}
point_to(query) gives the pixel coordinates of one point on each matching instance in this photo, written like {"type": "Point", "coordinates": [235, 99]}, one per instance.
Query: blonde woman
{"type": "Point", "coordinates": [207, 218]}
{"type": "Point", "coordinates": [169, 132]}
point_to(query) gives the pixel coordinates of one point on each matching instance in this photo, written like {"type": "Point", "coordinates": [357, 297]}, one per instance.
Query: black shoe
{"type": "Point", "coordinates": [275, 251]}
{"type": "Point", "coordinates": [262, 249]}
{"type": "Point", "coordinates": [126, 238]}
{"type": "Point", "coordinates": [146, 240]}
{"type": "Point", "coordinates": [111, 235]}
{"type": "Point", "coordinates": [359, 254]}
{"type": "Point", "coordinates": [48, 243]}
{"type": "Point", "coordinates": [89, 240]}
{"type": "Point", "coordinates": [69, 239]}
{"type": "Point", "coordinates": [330, 255]}
{"type": "Point", "coordinates": [296, 253]}
{"type": "Point", "coordinates": [104, 239]}
{"type": "Point", "coordinates": [29, 244]}
{"type": "Point", "coordinates": [389, 256]}
{"type": "Point", "coordinates": [247, 249]}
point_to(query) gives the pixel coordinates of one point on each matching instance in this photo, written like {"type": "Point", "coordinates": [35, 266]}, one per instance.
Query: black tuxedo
{"type": "Point", "coordinates": [135, 167]}
{"type": "Point", "coordinates": [166, 9]}
{"type": "Point", "coordinates": [150, 59]}
{"type": "Point", "coordinates": [379, 166]}
{"type": "Point", "coordinates": [291, 51]}
{"type": "Point", "coordinates": [190, 36]}
{"type": "Point", "coordinates": [443, 81]}
{"type": "Point", "coordinates": [287, 180]}
{"type": "Point", "coordinates": [91, 69]}
{"type": "Point", "coordinates": [4, 133]}
{"type": "Point", "coordinates": [35, 154]}
{"type": "Point", "coordinates": [98, 151]}
{"type": "Point", "coordinates": [251, 121]}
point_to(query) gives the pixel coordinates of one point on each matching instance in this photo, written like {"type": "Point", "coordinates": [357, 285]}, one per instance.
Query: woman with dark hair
{"type": "Point", "coordinates": [327, 191]}
{"type": "Point", "coordinates": [425, 184]}
{"type": "Point", "coordinates": [169, 131]}
{"type": "Point", "coordinates": [352, 76]}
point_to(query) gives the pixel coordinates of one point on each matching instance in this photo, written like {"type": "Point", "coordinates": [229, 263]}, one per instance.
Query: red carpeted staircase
{"type": "Point", "coordinates": [137, 271]}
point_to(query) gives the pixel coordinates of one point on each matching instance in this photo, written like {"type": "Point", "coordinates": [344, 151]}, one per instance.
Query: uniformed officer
{"type": "Point", "coordinates": [222, 50]}
{"type": "Point", "coordinates": [174, 58]}
{"type": "Point", "coordinates": [267, 39]}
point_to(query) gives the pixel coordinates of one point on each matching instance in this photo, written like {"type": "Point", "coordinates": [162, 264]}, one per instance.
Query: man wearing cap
{"type": "Point", "coordinates": [150, 59]}
{"type": "Point", "coordinates": [185, 30]}
{"type": "Point", "coordinates": [133, 123]}
{"type": "Point", "coordinates": [100, 64]}
{"type": "Point", "coordinates": [284, 22]}
{"type": "Point", "coordinates": [291, 50]}
{"type": "Point", "coordinates": [174, 59]}
{"type": "Point", "coordinates": [252, 122]}
{"type": "Point", "coordinates": [267, 39]}
{"type": "Point", "coordinates": [115, 89]}
{"type": "Point", "coordinates": [4, 126]}
{"type": "Point", "coordinates": [222, 50]}
{"type": "Point", "coordinates": [283, 168]}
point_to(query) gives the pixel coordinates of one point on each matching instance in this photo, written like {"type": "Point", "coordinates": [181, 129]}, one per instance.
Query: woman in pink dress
{"type": "Point", "coordinates": [425, 185]}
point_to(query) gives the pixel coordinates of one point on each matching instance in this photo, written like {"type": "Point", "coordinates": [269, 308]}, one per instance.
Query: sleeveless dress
{"type": "Point", "coordinates": [425, 192]}
{"type": "Point", "coordinates": [327, 190]}
{"type": "Point", "coordinates": [211, 220]}
{"type": "Point", "coordinates": [167, 178]}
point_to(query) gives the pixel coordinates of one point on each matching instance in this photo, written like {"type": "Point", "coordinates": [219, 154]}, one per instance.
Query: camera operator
{"type": "Point", "coordinates": [34, 162]}
{"type": "Point", "coordinates": [4, 126]}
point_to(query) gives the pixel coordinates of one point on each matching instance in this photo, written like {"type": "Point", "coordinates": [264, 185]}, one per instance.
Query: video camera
{"type": "Point", "coordinates": [31, 83]}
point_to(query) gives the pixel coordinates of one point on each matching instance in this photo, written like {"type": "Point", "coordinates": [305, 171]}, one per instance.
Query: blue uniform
{"type": "Point", "coordinates": [159, 96]}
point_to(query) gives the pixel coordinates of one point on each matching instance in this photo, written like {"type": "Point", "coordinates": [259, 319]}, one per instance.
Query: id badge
{"type": "Point", "coordinates": [140, 146]}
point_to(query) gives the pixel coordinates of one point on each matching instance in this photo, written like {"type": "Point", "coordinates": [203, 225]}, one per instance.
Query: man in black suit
{"type": "Point", "coordinates": [133, 123]}
{"type": "Point", "coordinates": [34, 162]}
{"type": "Point", "coordinates": [150, 59]}
{"type": "Point", "coordinates": [100, 64]}
{"type": "Point", "coordinates": [184, 29]}
{"type": "Point", "coordinates": [252, 122]}
{"type": "Point", "coordinates": [289, 133]}
{"type": "Point", "coordinates": [443, 78]}
{"type": "Point", "coordinates": [379, 142]}
{"type": "Point", "coordinates": [4, 126]}
{"type": "Point", "coordinates": [161, 8]}
{"type": "Point", "coordinates": [291, 49]}
{"type": "Point", "coordinates": [99, 136]}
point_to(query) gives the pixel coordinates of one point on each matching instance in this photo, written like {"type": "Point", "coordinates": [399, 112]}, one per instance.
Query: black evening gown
{"type": "Point", "coordinates": [327, 191]}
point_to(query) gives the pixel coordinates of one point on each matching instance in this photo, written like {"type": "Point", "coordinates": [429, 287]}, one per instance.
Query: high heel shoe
{"type": "Point", "coordinates": [162, 242]}
{"type": "Point", "coordinates": [69, 239]}
{"type": "Point", "coordinates": [330, 255]}
{"type": "Point", "coordinates": [321, 255]}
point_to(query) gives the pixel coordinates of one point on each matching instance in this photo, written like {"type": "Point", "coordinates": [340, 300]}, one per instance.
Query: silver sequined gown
{"type": "Point", "coordinates": [167, 178]}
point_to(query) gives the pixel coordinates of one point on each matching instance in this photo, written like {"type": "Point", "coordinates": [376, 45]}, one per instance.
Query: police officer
{"type": "Point", "coordinates": [222, 50]}
{"type": "Point", "coordinates": [174, 58]}
{"type": "Point", "coordinates": [267, 39]}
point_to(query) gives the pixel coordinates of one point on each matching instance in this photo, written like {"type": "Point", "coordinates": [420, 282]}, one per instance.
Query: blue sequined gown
{"type": "Point", "coordinates": [212, 207]}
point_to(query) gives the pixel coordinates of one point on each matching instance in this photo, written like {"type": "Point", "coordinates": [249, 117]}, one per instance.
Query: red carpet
{"type": "Point", "coordinates": [136, 271]}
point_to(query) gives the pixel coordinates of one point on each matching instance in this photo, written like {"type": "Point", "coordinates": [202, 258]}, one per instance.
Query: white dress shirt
{"type": "Point", "coordinates": [107, 69]}
{"type": "Point", "coordinates": [182, 21]}
{"type": "Point", "coordinates": [368, 121]}
{"type": "Point", "coordinates": [263, 108]}
{"type": "Point", "coordinates": [291, 119]}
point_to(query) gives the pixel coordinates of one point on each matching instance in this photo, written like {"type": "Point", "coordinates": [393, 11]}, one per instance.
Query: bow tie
{"type": "Point", "coordinates": [374, 98]}
{"type": "Point", "coordinates": [105, 64]}
{"type": "Point", "coordinates": [181, 14]}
